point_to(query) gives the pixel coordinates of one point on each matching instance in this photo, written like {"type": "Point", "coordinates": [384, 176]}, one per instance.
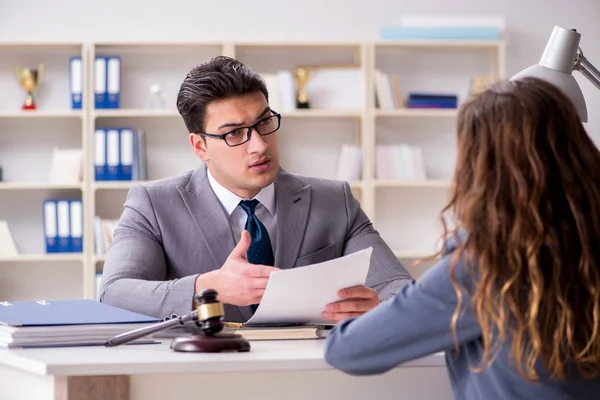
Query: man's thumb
{"type": "Point", "coordinates": [243, 245]}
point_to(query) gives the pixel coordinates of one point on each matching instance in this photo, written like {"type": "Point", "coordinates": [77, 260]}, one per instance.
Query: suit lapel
{"type": "Point", "coordinates": [293, 205]}
{"type": "Point", "coordinates": [213, 225]}
{"type": "Point", "coordinates": [209, 217]}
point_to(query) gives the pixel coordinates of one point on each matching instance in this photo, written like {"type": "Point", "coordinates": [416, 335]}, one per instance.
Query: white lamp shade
{"type": "Point", "coordinates": [557, 63]}
{"type": "Point", "coordinates": [565, 82]}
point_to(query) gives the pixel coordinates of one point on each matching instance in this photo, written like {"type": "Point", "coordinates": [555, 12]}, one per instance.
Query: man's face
{"type": "Point", "coordinates": [249, 167]}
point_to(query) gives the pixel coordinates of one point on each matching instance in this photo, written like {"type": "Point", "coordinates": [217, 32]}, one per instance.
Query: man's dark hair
{"type": "Point", "coordinates": [218, 79]}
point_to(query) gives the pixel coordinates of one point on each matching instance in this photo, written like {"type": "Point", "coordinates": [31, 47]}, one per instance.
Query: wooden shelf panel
{"type": "Point", "coordinates": [432, 183]}
{"type": "Point", "coordinates": [115, 185]}
{"type": "Point", "coordinates": [314, 113]}
{"type": "Point", "coordinates": [38, 186]}
{"type": "Point", "coordinates": [417, 113]}
{"type": "Point", "coordinates": [53, 257]}
{"type": "Point", "coordinates": [135, 113]}
{"type": "Point", "coordinates": [41, 114]}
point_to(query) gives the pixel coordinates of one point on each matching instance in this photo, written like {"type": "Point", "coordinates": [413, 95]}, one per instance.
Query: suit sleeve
{"type": "Point", "coordinates": [135, 270]}
{"type": "Point", "coordinates": [414, 323]}
{"type": "Point", "coordinates": [386, 274]}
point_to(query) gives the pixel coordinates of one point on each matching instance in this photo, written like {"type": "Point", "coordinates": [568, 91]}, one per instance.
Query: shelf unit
{"type": "Point", "coordinates": [26, 142]}
{"type": "Point", "coordinates": [309, 141]}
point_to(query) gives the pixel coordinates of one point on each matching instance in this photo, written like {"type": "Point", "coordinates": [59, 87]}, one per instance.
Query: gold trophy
{"type": "Point", "coordinates": [302, 75]}
{"type": "Point", "coordinates": [29, 79]}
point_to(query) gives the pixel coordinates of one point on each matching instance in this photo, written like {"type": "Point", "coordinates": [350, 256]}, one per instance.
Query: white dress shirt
{"type": "Point", "coordinates": [265, 211]}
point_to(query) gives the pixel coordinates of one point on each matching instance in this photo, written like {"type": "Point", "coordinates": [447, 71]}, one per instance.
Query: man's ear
{"type": "Point", "coordinates": [198, 144]}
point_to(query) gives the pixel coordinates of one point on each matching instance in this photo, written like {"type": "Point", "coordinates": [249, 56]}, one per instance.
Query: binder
{"type": "Point", "coordinates": [126, 151]}
{"type": "Point", "coordinates": [100, 165]}
{"type": "Point", "coordinates": [100, 100]}
{"type": "Point", "coordinates": [50, 226]}
{"type": "Point", "coordinates": [67, 312]}
{"type": "Point", "coordinates": [76, 221]}
{"type": "Point", "coordinates": [112, 154]}
{"type": "Point", "coordinates": [76, 322]}
{"type": "Point", "coordinates": [76, 72]}
{"type": "Point", "coordinates": [113, 76]}
{"type": "Point", "coordinates": [64, 228]}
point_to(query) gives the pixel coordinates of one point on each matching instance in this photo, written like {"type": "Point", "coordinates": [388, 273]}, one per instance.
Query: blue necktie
{"type": "Point", "coordinates": [260, 250]}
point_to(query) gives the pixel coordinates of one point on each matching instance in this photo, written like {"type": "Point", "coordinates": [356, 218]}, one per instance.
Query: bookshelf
{"type": "Point", "coordinates": [26, 143]}
{"type": "Point", "coordinates": [404, 211]}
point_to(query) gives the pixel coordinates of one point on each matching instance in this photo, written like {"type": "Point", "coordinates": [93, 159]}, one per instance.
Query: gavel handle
{"type": "Point", "coordinates": [141, 332]}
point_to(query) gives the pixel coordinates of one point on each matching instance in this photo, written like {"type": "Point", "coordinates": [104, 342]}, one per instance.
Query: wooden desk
{"type": "Point", "coordinates": [271, 370]}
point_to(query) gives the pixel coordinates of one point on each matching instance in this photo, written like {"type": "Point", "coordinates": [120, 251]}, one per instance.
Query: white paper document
{"type": "Point", "coordinates": [299, 295]}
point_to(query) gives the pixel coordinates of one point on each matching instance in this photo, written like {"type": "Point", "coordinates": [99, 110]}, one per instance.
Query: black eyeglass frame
{"type": "Point", "coordinates": [249, 133]}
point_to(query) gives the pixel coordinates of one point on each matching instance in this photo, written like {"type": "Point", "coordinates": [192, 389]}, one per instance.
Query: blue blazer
{"type": "Point", "coordinates": [416, 322]}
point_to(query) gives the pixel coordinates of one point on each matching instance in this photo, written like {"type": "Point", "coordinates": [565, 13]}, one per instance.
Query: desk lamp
{"type": "Point", "coordinates": [208, 315]}
{"type": "Point", "coordinates": [561, 57]}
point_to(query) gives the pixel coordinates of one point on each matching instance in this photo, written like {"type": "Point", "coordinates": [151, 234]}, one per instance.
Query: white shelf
{"type": "Point", "coordinates": [295, 45]}
{"type": "Point", "coordinates": [417, 113]}
{"type": "Point", "coordinates": [492, 44]}
{"type": "Point", "coordinates": [135, 113]}
{"type": "Point", "coordinates": [314, 113]}
{"type": "Point", "coordinates": [431, 183]}
{"type": "Point", "coordinates": [168, 62]}
{"type": "Point", "coordinates": [41, 114]}
{"type": "Point", "coordinates": [114, 185]}
{"type": "Point", "coordinates": [38, 186]}
{"type": "Point", "coordinates": [58, 257]}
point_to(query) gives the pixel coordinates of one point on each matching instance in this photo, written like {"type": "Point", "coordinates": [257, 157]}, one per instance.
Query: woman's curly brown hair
{"type": "Point", "coordinates": [526, 195]}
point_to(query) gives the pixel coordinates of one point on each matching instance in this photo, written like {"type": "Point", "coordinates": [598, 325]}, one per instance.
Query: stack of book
{"type": "Point", "coordinates": [432, 100]}
{"type": "Point", "coordinates": [445, 27]}
{"type": "Point", "coordinates": [104, 230]}
{"type": "Point", "coordinates": [56, 323]}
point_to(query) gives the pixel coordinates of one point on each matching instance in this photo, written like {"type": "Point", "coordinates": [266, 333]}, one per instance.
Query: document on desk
{"type": "Point", "coordinates": [299, 295]}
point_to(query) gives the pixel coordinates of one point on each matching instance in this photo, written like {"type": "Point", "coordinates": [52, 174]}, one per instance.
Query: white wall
{"type": "Point", "coordinates": [529, 23]}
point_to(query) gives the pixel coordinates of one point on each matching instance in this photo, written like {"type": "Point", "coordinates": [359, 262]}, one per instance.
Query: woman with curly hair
{"type": "Point", "coordinates": [514, 301]}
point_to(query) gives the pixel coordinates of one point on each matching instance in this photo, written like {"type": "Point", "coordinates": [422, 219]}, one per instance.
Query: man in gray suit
{"type": "Point", "coordinates": [178, 236]}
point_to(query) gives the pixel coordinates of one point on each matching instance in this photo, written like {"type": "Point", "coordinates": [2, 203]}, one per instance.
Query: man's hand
{"type": "Point", "coordinates": [356, 301]}
{"type": "Point", "coordinates": [238, 282]}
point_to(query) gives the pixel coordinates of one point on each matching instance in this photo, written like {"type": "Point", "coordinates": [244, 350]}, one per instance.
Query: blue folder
{"type": "Point", "coordinates": [66, 312]}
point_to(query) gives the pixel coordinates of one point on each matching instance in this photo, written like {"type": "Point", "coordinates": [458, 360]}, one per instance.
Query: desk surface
{"type": "Point", "coordinates": [289, 355]}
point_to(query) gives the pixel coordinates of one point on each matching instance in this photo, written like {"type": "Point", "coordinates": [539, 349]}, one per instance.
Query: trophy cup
{"type": "Point", "coordinates": [302, 75]}
{"type": "Point", "coordinates": [29, 79]}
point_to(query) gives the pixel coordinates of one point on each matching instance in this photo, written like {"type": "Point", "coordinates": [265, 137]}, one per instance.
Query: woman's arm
{"type": "Point", "coordinates": [414, 323]}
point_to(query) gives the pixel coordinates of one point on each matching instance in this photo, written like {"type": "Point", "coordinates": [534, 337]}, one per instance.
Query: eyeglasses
{"type": "Point", "coordinates": [264, 126]}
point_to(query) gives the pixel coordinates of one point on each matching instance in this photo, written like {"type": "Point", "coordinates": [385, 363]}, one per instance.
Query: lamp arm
{"type": "Point", "coordinates": [587, 69]}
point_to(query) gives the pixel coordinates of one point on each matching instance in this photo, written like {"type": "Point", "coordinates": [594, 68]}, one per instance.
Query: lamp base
{"type": "Point", "coordinates": [211, 344]}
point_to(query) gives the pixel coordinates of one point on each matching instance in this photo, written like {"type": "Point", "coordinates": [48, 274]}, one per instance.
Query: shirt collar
{"type": "Point", "coordinates": [230, 200]}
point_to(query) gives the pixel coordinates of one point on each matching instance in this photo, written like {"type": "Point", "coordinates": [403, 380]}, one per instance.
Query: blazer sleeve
{"type": "Point", "coordinates": [386, 274]}
{"type": "Point", "coordinates": [415, 323]}
{"type": "Point", "coordinates": [135, 270]}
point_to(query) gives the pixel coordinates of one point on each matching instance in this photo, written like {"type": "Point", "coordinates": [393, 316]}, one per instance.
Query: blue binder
{"type": "Point", "coordinates": [50, 226]}
{"type": "Point", "coordinates": [126, 151]}
{"type": "Point", "coordinates": [64, 226]}
{"type": "Point", "coordinates": [100, 100]}
{"type": "Point", "coordinates": [76, 75]}
{"type": "Point", "coordinates": [66, 312]}
{"type": "Point", "coordinates": [76, 221]}
{"type": "Point", "coordinates": [100, 166]}
{"type": "Point", "coordinates": [113, 154]}
{"type": "Point", "coordinates": [113, 82]}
